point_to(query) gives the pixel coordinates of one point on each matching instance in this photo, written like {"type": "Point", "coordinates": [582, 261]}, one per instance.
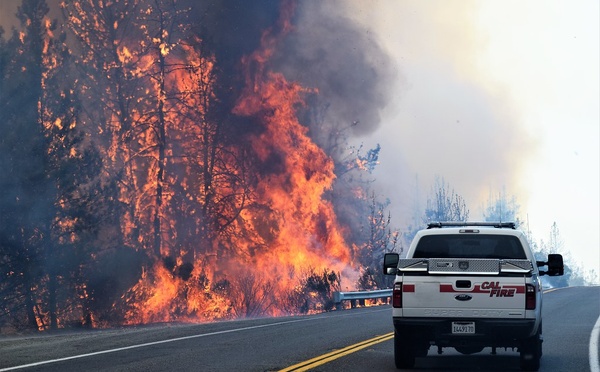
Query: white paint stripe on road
{"type": "Point", "coordinates": [594, 344]}
{"type": "Point", "coordinates": [165, 342]}
{"type": "Point", "coordinates": [152, 344]}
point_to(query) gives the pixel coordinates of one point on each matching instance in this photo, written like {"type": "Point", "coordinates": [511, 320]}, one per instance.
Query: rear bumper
{"type": "Point", "coordinates": [488, 332]}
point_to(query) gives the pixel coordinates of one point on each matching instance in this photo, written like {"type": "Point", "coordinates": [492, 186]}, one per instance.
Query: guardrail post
{"type": "Point", "coordinates": [337, 300]}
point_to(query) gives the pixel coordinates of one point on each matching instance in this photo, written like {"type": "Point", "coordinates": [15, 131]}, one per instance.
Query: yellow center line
{"type": "Point", "coordinates": [326, 358]}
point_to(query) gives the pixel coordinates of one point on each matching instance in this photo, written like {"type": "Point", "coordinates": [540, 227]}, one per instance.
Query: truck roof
{"type": "Point", "coordinates": [501, 247]}
{"type": "Point", "coordinates": [498, 225]}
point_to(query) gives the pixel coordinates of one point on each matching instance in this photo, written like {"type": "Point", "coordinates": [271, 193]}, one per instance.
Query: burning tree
{"type": "Point", "coordinates": [48, 177]}
{"type": "Point", "coordinates": [25, 222]}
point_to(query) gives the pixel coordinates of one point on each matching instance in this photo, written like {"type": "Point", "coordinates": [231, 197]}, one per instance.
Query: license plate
{"type": "Point", "coordinates": [463, 328]}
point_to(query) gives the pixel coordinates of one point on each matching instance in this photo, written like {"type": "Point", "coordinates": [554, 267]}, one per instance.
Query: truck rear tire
{"type": "Point", "coordinates": [404, 351]}
{"type": "Point", "coordinates": [531, 353]}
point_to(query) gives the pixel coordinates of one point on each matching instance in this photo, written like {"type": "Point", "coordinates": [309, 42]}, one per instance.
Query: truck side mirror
{"type": "Point", "coordinates": [390, 263]}
{"type": "Point", "coordinates": [555, 265]}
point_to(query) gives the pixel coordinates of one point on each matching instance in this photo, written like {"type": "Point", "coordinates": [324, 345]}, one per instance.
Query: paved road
{"type": "Point", "coordinates": [352, 340]}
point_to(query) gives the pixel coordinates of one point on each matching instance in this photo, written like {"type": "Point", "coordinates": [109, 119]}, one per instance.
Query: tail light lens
{"type": "Point", "coordinates": [397, 295]}
{"type": "Point", "coordinates": [530, 297]}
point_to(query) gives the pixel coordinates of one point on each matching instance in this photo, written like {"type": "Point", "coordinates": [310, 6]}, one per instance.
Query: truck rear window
{"type": "Point", "coordinates": [469, 246]}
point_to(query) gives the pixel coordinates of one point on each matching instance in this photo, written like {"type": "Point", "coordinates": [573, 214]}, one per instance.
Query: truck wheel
{"type": "Point", "coordinates": [404, 353]}
{"type": "Point", "coordinates": [531, 353]}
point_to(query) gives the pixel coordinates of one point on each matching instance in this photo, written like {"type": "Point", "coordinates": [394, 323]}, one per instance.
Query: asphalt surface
{"type": "Point", "coordinates": [336, 341]}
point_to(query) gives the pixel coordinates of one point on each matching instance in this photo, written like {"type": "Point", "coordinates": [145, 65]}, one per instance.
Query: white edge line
{"type": "Point", "coordinates": [152, 343]}
{"type": "Point", "coordinates": [594, 339]}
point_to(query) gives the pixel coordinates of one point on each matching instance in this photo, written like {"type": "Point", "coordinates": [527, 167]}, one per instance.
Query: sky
{"type": "Point", "coordinates": [495, 96]}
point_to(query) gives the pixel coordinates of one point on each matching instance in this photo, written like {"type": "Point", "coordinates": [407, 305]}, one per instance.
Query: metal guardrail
{"type": "Point", "coordinates": [360, 296]}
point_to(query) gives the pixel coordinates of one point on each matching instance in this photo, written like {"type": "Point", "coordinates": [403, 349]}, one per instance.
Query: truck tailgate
{"type": "Point", "coordinates": [461, 296]}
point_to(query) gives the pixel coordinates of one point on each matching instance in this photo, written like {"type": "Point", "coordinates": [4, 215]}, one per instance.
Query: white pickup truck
{"type": "Point", "coordinates": [468, 285]}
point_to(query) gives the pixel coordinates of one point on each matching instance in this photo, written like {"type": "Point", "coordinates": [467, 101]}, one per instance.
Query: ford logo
{"type": "Point", "coordinates": [463, 297]}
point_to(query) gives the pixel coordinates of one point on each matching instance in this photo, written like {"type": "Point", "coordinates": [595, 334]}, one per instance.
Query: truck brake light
{"type": "Point", "coordinates": [397, 295]}
{"type": "Point", "coordinates": [530, 297]}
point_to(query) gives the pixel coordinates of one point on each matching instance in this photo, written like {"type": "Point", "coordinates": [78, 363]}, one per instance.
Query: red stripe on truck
{"type": "Point", "coordinates": [481, 288]}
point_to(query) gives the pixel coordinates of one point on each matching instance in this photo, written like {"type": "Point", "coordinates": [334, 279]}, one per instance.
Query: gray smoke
{"type": "Point", "coordinates": [329, 52]}
{"type": "Point", "coordinates": [447, 116]}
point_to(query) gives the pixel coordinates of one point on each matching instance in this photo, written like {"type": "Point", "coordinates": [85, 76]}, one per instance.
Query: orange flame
{"type": "Point", "coordinates": [306, 232]}
{"type": "Point", "coordinates": [295, 229]}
